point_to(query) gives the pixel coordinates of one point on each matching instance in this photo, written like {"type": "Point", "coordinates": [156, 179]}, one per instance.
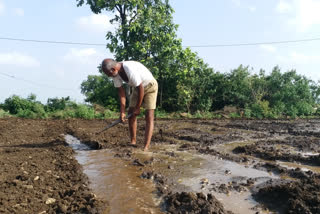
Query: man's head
{"type": "Point", "coordinates": [110, 67]}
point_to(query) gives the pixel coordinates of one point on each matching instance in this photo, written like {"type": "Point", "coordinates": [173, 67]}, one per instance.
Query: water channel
{"type": "Point", "coordinates": [118, 181]}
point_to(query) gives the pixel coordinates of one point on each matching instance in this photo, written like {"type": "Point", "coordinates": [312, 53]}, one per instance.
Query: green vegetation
{"type": "Point", "coordinates": [145, 32]}
{"type": "Point", "coordinates": [4, 113]}
{"type": "Point", "coordinates": [62, 108]}
{"type": "Point", "coordinates": [277, 95]}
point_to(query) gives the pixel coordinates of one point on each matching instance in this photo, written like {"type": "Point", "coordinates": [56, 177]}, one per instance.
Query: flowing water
{"type": "Point", "coordinates": [196, 168]}
{"type": "Point", "coordinates": [118, 181]}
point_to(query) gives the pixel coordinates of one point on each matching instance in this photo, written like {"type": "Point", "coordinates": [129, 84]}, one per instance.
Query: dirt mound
{"type": "Point", "coordinates": [39, 173]}
{"type": "Point", "coordinates": [272, 150]}
{"type": "Point", "coordinates": [193, 203]}
{"type": "Point", "coordinates": [301, 197]}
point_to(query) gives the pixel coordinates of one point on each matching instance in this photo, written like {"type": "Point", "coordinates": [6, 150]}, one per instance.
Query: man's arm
{"type": "Point", "coordinates": [140, 89]}
{"type": "Point", "coordinates": [122, 96]}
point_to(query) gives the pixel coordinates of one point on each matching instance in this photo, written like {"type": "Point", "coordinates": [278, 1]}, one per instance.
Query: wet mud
{"type": "Point", "coordinates": [39, 173]}
{"type": "Point", "coordinates": [195, 166]}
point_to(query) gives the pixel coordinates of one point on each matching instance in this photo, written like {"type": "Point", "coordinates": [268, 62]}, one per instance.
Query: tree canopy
{"type": "Point", "coordinates": [144, 31]}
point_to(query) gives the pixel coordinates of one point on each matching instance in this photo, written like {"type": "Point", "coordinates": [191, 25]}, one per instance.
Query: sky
{"type": "Point", "coordinates": [57, 70]}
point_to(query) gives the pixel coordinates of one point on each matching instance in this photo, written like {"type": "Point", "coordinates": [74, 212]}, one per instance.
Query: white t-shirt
{"type": "Point", "coordinates": [136, 72]}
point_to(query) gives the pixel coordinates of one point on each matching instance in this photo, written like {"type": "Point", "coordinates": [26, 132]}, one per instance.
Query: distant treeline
{"type": "Point", "coordinates": [60, 108]}
{"type": "Point", "coordinates": [276, 95]}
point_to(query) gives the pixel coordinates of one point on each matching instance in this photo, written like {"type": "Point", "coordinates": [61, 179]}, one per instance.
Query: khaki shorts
{"type": "Point", "coordinates": [150, 96]}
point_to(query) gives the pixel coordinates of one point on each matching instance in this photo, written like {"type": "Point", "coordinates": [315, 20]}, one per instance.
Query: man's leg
{"type": "Point", "coordinates": [133, 126]}
{"type": "Point", "coordinates": [149, 128]}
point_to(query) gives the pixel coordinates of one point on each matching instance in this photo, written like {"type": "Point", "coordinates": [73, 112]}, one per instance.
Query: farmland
{"type": "Point", "coordinates": [194, 166]}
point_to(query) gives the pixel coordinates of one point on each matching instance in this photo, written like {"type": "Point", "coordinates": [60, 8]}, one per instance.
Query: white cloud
{"type": "Point", "coordinates": [84, 56]}
{"type": "Point", "coordinates": [303, 58]}
{"type": "Point", "coordinates": [18, 59]}
{"type": "Point", "coordinates": [95, 22]}
{"type": "Point", "coordinates": [302, 14]}
{"type": "Point", "coordinates": [299, 58]}
{"type": "Point", "coordinates": [239, 4]}
{"type": "Point", "coordinates": [2, 8]}
{"type": "Point", "coordinates": [268, 48]}
{"type": "Point", "coordinates": [284, 7]}
{"type": "Point", "coordinates": [18, 11]}
{"type": "Point", "coordinates": [308, 14]}
{"type": "Point", "coordinates": [236, 2]}
{"type": "Point", "coordinates": [252, 9]}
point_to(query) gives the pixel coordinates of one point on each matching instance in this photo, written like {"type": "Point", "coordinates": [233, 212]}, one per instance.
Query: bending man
{"type": "Point", "coordinates": [144, 93]}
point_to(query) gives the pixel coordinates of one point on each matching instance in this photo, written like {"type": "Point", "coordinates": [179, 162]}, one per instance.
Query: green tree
{"type": "Point", "coordinates": [100, 90]}
{"type": "Point", "coordinates": [55, 104]}
{"type": "Point", "coordinates": [233, 88]}
{"type": "Point", "coordinates": [258, 87]}
{"type": "Point", "coordinates": [291, 92]}
{"type": "Point", "coordinates": [192, 83]}
{"type": "Point", "coordinates": [30, 107]}
{"type": "Point", "coordinates": [146, 33]}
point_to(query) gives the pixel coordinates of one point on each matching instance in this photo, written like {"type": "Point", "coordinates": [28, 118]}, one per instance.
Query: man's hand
{"type": "Point", "coordinates": [136, 111]}
{"type": "Point", "coordinates": [123, 117]}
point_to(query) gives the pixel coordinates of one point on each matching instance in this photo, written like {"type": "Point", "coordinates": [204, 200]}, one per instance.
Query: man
{"type": "Point", "coordinates": [145, 90]}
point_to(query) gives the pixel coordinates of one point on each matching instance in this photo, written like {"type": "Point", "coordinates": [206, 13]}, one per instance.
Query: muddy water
{"type": "Point", "coordinates": [116, 181]}
{"type": "Point", "coordinates": [191, 169]}
{"type": "Point", "coordinates": [290, 165]}
{"type": "Point", "coordinates": [216, 172]}
{"type": "Point", "coordinates": [228, 147]}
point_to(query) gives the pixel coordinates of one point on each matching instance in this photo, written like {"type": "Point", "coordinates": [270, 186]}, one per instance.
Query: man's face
{"type": "Point", "coordinates": [110, 73]}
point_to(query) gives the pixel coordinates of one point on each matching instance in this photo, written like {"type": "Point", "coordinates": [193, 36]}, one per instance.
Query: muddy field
{"type": "Point", "coordinates": [194, 166]}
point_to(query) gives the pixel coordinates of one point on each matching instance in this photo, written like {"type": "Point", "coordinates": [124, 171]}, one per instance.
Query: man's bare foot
{"type": "Point", "coordinates": [133, 143]}
{"type": "Point", "coordinates": [146, 149]}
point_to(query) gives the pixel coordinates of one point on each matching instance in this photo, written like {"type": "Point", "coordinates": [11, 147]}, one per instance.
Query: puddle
{"type": "Point", "coordinates": [214, 170]}
{"type": "Point", "coordinates": [191, 168]}
{"type": "Point", "coordinates": [290, 165]}
{"type": "Point", "coordinates": [294, 150]}
{"type": "Point", "coordinates": [119, 183]}
{"type": "Point", "coordinates": [223, 171]}
{"type": "Point", "coordinates": [116, 181]}
{"type": "Point", "coordinates": [308, 154]}
{"type": "Point", "coordinates": [228, 147]}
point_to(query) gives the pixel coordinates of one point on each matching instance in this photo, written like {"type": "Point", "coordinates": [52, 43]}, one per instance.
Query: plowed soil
{"type": "Point", "coordinates": [39, 172]}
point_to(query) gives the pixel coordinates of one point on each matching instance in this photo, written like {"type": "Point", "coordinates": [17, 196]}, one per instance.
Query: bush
{"type": "Point", "coordinates": [292, 111]}
{"type": "Point", "coordinates": [55, 104]}
{"type": "Point", "coordinates": [63, 114]}
{"type": "Point", "coordinates": [14, 104]}
{"type": "Point", "coordinates": [279, 109]}
{"type": "Point", "coordinates": [247, 112]}
{"type": "Point", "coordinates": [256, 111]}
{"type": "Point", "coordinates": [234, 115]}
{"type": "Point", "coordinates": [262, 110]}
{"type": "Point", "coordinates": [84, 112]}
{"type": "Point", "coordinates": [158, 113]}
{"type": "Point", "coordinates": [26, 113]}
{"type": "Point", "coordinates": [110, 114]}
{"type": "Point", "coordinates": [27, 108]}
{"type": "Point", "coordinates": [305, 108]}
{"type": "Point", "coordinates": [4, 113]}
{"type": "Point", "coordinates": [38, 109]}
